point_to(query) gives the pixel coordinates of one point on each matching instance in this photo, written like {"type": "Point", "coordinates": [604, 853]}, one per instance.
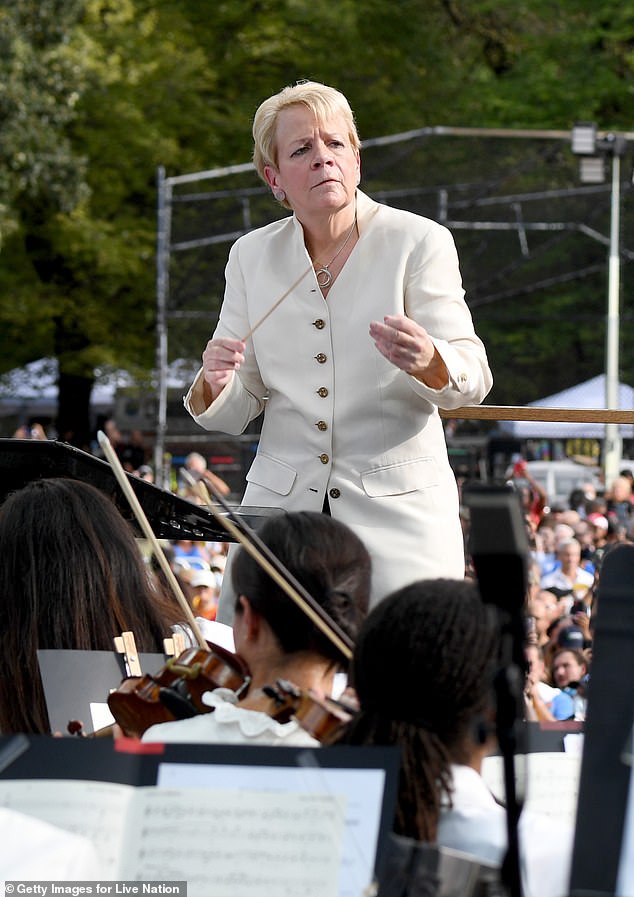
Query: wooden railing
{"type": "Point", "coordinates": [525, 412]}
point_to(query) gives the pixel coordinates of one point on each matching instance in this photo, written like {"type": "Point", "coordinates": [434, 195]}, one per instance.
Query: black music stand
{"type": "Point", "coordinates": [605, 780]}
{"type": "Point", "coordinates": [232, 768]}
{"type": "Point", "coordinates": [169, 515]}
{"type": "Point", "coordinates": [73, 680]}
{"type": "Point", "coordinates": [500, 551]}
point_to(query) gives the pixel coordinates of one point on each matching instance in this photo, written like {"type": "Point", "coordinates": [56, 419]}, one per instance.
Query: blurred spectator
{"type": "Point", "coordinates": [544, 609]}
{"type": "Point", "coordinates": [569, 670]}
{"type": "Point", "coordinates": [559, 515]}
{"type": "Point", "coordinates": [584, 534]}
{"type": "Point", "coordinates": [30, 431]}
{"type": "Point", "coordinates": [619, 502]}
{"type": "Point", "coordinates": [196, 465]}
{"type": "Point", "coordinates": [205, 591]}
{"type": "Point", "coordinates": [580, 498]}
{"type": "Point", "coordinates": [629, 475]}
{"type": "Point", "coordinates": [532, 494]}
{"type": "Point", "coordinates": [562, 531]}
{"type": "Point", "coordinates": [132, 452]}
{"type": "Point", "coordinates": [594, 541]}
{"type": "Point", "coordinates": [544, 552]}
{"type": "Point", "coordinates": [145, 472]}
{"type": "Point", "coordinates": [597, 506]}
{"type": "Point", "coordinates": [614, 535]}
{"type": "Point", "coordinates": [538, 694]}
{"type": "Point", "coordinates": [599, 523]}
{"type": "Point", "coordinates": [570, 574]}
{"type": "Point", "coordinates": [571, 637]}
{"type": "Point", "coordinates": [112, 431]}
{"type": "Point", "coordinates": [191, 555]}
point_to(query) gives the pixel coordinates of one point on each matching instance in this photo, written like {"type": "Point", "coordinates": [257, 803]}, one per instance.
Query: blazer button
{"type": "Point", "coordinates": [319, 324]}
{"type": "Point", "coordinates": [334, 493]}
{"type": "Point", "coordinates": [321, 425]}
{"type": "Point", "coordinates": [322, 391]}
{"type": "Point", "coordinates": [324, 458]}
{"type": "Point", "coordinates": [321, 358]}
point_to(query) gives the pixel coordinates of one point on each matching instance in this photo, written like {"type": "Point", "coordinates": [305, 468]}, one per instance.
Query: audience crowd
{"type": "Point", "coordinates": [444, 739]}
{"type": "Point", "coordinates": [568, 543]}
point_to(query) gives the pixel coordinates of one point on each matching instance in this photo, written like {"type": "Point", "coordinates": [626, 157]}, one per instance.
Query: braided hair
{"type": "Point", "coordinates": [423, 668]}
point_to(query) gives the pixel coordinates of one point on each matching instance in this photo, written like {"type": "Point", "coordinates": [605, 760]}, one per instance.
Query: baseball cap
{"type": "Point", "coordinates": [203, 578]}
{"type": "Point", "coordinates": [571, 637]}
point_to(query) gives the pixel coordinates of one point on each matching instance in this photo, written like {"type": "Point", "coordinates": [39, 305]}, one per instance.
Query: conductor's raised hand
{"type": "Point", "coordinates": [221, 358]}
{"type": "Point", "coordinates": [408, 346]}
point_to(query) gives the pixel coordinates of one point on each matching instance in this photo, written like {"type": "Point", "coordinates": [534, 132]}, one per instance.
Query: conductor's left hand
{"type": "Point", "coordinates": [408, 346]}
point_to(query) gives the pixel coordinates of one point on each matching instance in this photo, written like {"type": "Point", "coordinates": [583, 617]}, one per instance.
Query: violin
{"type": "Point", "coordinates": [321, 717]}
{"type": "Point", "coordinates": [176, 691]}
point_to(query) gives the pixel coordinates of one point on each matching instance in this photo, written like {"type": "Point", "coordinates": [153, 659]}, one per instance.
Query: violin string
{"type": "Point", "coordinates": [252, 543]}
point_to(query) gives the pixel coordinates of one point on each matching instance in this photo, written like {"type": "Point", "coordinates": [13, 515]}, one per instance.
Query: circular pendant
{"type": "Point", "coordinates": [324, 277]}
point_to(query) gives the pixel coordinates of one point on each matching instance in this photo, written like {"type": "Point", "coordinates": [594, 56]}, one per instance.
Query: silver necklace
{"type": "Point", "coordinates": [322, 273]}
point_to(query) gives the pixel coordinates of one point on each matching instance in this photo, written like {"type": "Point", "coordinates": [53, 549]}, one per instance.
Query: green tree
{"type": "Point", "coordinates": [78, 275]}
{"type": "Point", "coordinates": [96, 94]}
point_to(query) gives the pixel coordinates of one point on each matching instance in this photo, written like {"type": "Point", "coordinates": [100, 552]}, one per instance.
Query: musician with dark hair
{"type": "Point", "coordinates": [71, 577]}
{"type": "Point", "coordinates": [275, 637]}
{"type": "Point", "coordinates": [432, 695]}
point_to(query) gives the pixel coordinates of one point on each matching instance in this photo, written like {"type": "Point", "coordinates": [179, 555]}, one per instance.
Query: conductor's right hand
{"type": "Point", "coordinates": [221, 358]}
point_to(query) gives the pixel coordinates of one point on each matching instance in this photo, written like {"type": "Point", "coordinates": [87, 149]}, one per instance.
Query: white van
{"type": "Point", "coordinates": [559, 478]}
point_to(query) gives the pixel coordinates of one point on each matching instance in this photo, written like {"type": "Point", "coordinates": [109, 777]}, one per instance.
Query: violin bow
{"type": "Point", "coordinates": [252, 543]}
{"type": "Point", "coordinates": [144, 523]}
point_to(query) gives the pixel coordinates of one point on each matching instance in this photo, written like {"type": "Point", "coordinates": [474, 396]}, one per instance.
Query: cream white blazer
{"type": "Point", "coordinates": [339, 419]}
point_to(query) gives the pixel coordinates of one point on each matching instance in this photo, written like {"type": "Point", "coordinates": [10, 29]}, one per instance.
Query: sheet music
{"type": "Point", "coordinates": [258, 832]}
{"type": "Point", "coordinates": [96, 810]}
{"type": "Point", "coordinates": [237, 843]}
{"type": "Point", "coordinates": [362, 787]}
{"type": "Point", "coordinates": [552, 782]}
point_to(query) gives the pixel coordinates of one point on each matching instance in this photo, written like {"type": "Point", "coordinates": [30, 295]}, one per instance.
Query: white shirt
{"type": "Point", "coordinates": [558, 580]}
{"type": "Point", "coordinates": [547, 692]}
{"type": "Point", "coordinates": [476, 825]}
{"type": "Point", "coordinates": [230, 724]}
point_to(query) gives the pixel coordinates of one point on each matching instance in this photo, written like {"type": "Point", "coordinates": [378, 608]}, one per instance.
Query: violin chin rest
{"type": "Point", "coordinates": [180, 706]}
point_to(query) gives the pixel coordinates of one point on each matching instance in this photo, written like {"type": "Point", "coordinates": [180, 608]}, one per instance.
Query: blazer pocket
{"type": "Point", "coordinates": [397, 478]}
{"type": "Point", "coordinates": [272, 474]}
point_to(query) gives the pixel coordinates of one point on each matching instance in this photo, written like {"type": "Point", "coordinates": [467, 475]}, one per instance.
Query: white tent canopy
{"type": "Point", "coordinates": [588, 395]}
{"type": "Point", "coordinates": [32, 390]}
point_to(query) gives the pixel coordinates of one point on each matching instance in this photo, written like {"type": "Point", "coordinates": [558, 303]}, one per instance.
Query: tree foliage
{"type": "Point", "coordinates": [96, 94]}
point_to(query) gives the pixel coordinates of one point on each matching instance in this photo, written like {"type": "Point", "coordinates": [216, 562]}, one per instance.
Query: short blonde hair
{"type": "Point", "coordinates": [323, 101]}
